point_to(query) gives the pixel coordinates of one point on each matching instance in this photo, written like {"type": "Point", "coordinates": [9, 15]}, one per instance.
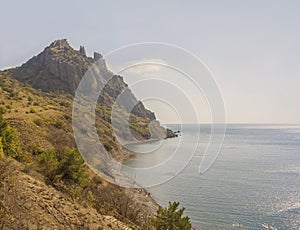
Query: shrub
{"type": "Point", "coordinates": [67, 166]}
{"type": "Point", "coordinates": [13, 94]}
{"type": "Point", "coordinates": [170, 218]}
{"type": "Point", "coordinates": [64, 103]}
{"type": "Point", "coordinates": [10, 140]}
{"type": "Point", "coordinates": [67, 117]}
{"type": "Point", "coordinates": [39, 122]}
{"type": "Point", "coordinates": [32, 111]}
{"type": "Point", "coordinates": [35, 149]}
{"type": "Point", "coordinates": [3, 110]}
{"type": "Point", "coordinates": [72, 168]}
{"type": "Point", "coordinates": [48, 165]}
{"type": "Point", "coordinates": [58, 124]}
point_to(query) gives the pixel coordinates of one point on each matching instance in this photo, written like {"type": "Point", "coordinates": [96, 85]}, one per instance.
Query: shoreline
{"type": "Point", "coordinates": [131, 154]}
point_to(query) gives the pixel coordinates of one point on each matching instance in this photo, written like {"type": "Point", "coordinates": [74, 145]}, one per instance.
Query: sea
{"type": "Point", "coordinates": [254, 183]}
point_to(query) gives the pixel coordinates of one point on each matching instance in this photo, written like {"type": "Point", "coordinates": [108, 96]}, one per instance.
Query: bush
{"type": "Point", "coordinates": [58, 124]}
{"type": "Point", "coordinates": [3, 110]}
{"type": "Point", "coordinates": [13, 94]}
{"type": "Point", "coordinates": [10, 140]}
{"type": "Point", "coordinates": [48, 165]}
{"type": "Point", "coordinates": [39, 122]}
{"type": "Point", "coordinates": [72, 168]}
{"type": "Point", "coordinates": [64, 103]}
{"type": "Point", "coordinates": [170, 218]}
{"type": "Point", "coordinates": [67, 166]}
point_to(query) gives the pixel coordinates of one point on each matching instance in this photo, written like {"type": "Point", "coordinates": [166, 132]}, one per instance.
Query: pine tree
{"type": "Point", "coordinates": [171, 219]}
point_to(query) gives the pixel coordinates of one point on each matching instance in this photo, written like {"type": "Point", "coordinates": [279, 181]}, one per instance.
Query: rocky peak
{"type": "Point", "coordinates": [59, 67]}
{"type": "Point", "coordinates": [61, 43]}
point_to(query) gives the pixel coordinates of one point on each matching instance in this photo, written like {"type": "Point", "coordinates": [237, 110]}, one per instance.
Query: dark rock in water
{"type": "Point", "coordinates": [170, 133]}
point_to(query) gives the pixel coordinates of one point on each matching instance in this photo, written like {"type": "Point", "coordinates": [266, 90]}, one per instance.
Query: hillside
{"type": "Point", "coordinates": [43, 122]}
{"type": "Point", "coordinates": [31, 204]}
{"type": "Point", "coordinates": [36, 129]}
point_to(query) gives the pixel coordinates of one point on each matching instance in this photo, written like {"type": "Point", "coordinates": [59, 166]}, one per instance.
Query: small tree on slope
{"type": "Point", "coordinates": [171, 219]}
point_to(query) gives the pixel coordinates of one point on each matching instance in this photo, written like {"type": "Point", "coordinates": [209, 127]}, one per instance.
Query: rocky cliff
{"type": "Point", "coordinates": [60, 68]}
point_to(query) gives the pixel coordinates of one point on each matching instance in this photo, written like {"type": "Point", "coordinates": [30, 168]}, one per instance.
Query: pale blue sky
{"type": "Point", "coordinates": [252, 47]}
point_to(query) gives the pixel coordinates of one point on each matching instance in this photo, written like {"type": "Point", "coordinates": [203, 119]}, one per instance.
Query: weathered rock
{"type": "Point", "coordinates": [82, 50]}
{"type": "Point", "coordinates": [97, 56]}
{"type": "Point", "coordinates": [60, 68]}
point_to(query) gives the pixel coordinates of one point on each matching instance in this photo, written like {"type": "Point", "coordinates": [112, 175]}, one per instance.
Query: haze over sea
{"type": "Point", "coordinates": [254, 184]}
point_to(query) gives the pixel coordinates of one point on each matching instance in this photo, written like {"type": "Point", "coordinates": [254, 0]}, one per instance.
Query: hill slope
{"type": "Point", "coordinates": [43, 118]}
{"type": "Point", "coordinates": [31, 204]}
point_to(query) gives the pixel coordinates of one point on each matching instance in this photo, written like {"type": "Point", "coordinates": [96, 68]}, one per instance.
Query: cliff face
{"type": "Point", "coordinates": [60, 68]}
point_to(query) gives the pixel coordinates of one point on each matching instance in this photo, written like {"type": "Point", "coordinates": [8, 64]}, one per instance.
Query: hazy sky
{"type": "Point", "coordinates": [251, 47]}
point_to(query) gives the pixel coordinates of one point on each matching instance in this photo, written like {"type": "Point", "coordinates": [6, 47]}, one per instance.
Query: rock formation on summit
{"type": "Point", "coordinates": [60, 68]}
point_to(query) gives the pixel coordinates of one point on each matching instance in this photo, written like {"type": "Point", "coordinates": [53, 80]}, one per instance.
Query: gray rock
{"type": "Point", "coordinates": [97, 56]}
{"type": "Point", "coordinates": [82, 50]}
{"type": "Point", "coordinates": [60, 68]}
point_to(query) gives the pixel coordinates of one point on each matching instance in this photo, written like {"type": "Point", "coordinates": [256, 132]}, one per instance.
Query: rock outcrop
{"type": "Point", "coordinates": [60, 68]}
{"type": "Point", "coordinates": [82, 50]}
{"type": "Point", "coordinates": [97, 56]}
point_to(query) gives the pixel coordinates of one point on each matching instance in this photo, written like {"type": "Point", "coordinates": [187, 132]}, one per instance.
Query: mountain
{"type": "Point", "coordinates": [34, 194]}
{"type": "Point", "coordinates": [59, 67]}
{"type": "Point", "coordinates": [44, 181]}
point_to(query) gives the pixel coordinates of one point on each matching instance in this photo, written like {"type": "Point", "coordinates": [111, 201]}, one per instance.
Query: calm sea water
{"type": "Point", "coordinates": [254, 184]}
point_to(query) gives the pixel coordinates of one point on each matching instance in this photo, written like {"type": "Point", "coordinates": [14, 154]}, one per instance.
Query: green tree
{"type": "Point", "coordinates": [170, 218]}
{"type": "Point", "coordinates": [10, 140]}
{"type": "Point", "coordinates": [72, 168]}
{"type": "Point", "coordinates": [48, 165]}
{"type": "Point", "coordinates": [67, 166]}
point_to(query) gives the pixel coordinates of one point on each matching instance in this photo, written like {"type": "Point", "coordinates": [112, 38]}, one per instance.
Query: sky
{"type": "Point", "coordinates": [252, 48]}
